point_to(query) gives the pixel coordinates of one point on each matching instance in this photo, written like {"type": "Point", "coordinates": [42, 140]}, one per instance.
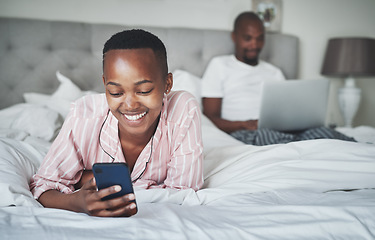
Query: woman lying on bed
{"type": "Point", "coordinates": [138, 121]}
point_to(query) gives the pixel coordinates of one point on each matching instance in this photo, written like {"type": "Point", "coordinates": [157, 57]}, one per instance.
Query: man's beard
{"type": "Point", "coordinates": [251, 61]}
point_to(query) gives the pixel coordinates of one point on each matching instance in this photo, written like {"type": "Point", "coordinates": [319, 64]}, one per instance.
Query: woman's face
{"type": "Point", "coordinates": [135, 87]}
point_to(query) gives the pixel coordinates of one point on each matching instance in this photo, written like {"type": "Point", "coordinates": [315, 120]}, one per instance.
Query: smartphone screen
{"type": "Point", "coordinates": [109, 174]}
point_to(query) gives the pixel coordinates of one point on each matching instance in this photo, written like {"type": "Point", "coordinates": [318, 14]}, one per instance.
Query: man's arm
{"type": "Point", "coordinates": [212, 109]}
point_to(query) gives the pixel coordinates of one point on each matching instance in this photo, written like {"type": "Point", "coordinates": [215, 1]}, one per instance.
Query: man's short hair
{"type": "Point", "coordinates": [250, 16]}
{"type": "Point", "coordinates": [137, 39]}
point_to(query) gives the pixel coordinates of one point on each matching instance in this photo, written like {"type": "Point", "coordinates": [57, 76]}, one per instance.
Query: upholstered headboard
{"type": "Point", "coordinates": [31, 51]}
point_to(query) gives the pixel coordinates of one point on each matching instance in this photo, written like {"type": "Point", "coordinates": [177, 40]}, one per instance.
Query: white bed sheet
{"type": "Point", "coordinates": [363, 134]}
{"type": "Point", "coordinates": [284, 191]}
{"type": "Point", "coordinates": [272, 215]}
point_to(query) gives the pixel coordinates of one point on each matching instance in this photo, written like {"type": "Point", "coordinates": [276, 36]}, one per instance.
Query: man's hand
{"type": "Point", "coordinates": [212, 109]}
{"type": "Point", "coordinates": [250, 125]}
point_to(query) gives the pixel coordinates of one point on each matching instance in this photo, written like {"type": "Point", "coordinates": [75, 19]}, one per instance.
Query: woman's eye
{"type": "Point", "coordinates": [145, 92]}
{"type": "Point", "coordinates": [115, 94]}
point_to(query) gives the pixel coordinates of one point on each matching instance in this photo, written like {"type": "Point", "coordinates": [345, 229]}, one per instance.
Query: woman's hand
{"type": "Point", "coordinates": [86, 176]}
{"type": "Point", "coordinates": [90, 201]}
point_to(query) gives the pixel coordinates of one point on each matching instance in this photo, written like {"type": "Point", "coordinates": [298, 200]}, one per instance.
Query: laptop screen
{"type": "Point", "coordinates": [294, 105]}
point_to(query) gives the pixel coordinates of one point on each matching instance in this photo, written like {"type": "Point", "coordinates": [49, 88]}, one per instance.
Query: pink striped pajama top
{"type": "Point", "coordinates": [174, 160]}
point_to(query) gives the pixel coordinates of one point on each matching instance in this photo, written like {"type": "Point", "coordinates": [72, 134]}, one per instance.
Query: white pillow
{"type": "Point", "coordinates": [61, 99]}
{"type": "Point", "coordinates": [37, 98]}
{"type": "Point", "coordinates": [18, 162]}
{"type": "Point", "coordinates": [60, 105]}
{"type": "Point", "coordinates": [186, 81]}
{"type": "Point", "coordinates": [67, 89]}
{"type": "Point", "coordinates": [36, 120]}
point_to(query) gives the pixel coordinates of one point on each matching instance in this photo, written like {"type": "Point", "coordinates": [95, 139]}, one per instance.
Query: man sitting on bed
{"type": "Point", "coordinates": [233, 83]}
{"type": "Point", "coordinates": [232, 86]}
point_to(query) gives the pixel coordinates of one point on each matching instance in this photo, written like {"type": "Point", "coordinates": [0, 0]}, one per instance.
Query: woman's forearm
{"type": "Point", "coordinates": [55, 199]}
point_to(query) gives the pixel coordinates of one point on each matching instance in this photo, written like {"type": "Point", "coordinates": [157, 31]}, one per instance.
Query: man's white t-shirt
{"type": "Point", "coordinates": [239, 85]}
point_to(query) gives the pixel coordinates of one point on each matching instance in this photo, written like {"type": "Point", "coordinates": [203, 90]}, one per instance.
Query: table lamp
{"type": "Point", "coordinates": [349, 57]}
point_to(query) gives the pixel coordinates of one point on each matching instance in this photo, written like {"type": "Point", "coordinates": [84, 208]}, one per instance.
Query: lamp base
{"type": "Point", "coordinates": [349, 99]}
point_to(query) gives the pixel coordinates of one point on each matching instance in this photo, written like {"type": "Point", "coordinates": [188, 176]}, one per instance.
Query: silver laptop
{"type": "Point", "coordinates": [294, 105]}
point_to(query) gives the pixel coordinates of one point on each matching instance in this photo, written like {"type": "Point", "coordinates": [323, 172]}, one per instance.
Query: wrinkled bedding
{"type": "Point", "coordinates": [315, 189]}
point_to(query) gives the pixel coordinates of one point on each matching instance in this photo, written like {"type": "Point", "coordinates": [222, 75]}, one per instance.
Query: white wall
{"type": "Point", "coordinates": [216, 14]}
{"type": "Point", "coordinates": [313, 21]}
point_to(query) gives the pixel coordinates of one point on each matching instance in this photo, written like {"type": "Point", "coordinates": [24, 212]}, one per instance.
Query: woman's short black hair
{"type": "Point", "coordinates": [136, 39]}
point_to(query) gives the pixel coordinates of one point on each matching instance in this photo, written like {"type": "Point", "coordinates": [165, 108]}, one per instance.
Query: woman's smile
{"type": "Point", "coordinates": [135, 87]}
{"type": "Point", "coordinates": [134, 117]}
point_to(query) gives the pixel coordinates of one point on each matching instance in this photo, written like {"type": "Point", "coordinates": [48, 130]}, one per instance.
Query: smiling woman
{"type": "Point", "coordinates": [138, 121]}
{"type": "Point", "coordinates": [135, 86]}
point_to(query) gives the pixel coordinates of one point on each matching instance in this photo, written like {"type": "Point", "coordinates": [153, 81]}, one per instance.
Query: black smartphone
{"type": "Point", "coordinates": [109, 174]}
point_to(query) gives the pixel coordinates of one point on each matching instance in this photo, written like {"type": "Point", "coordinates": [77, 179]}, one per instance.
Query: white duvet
{"type": "Point", "coordinates": [286, 191]}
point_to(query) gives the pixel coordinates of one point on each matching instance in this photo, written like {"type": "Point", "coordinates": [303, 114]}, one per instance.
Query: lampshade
{"type": "Point", "coordinates": [349, 57]}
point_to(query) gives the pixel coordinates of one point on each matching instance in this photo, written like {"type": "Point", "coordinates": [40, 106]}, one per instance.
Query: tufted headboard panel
{"type": "Point", "coordinates": [31, 51]}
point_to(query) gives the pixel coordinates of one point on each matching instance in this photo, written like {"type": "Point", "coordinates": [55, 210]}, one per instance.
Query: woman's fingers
{"type": "Point", "coordinates": [120, 206]}
{"type": "Point", "coordinates": [108, 191]}
{"type": "Point", "coordinates": [123, 206]}
{"type": "Point", "coordinates": [89, 185]}
{"type": "Point", "coordinates": [86, 176]}
{"type": "Point", "coordinates": [122, 211]}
